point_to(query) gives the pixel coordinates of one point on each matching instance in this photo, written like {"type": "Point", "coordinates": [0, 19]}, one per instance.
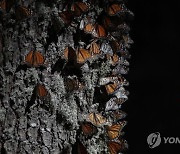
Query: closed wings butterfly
{"type": "Point", "coordinates": [41, 91]}
{"type": "Point", "coordinates": [96, 119]}
{"type": "Point", "coordinates": [114, 9]}
{"type": "Point", "coordinates": [22, 12]}
{"type": "Point", "coordinates": [78, 8]}
{"type": "Point", "coordinates": [113, 60]}
{"type": "Point", "coordinates": [34, 59]}
{"type": "Point", "coordinates": [66, 16]}
{"type": "Point", "coordinates": [111, 105]}
{"type": "Point", "coordinates": [94, 48]}
{"type": "Point", "coordinates": [114, 130]}
{"type": "Point", "coordinates": [3, 5]}
{"type": "Point", "coordinates": [116, 147]}
{"type": "Point", "coordinates": [72, 84]}
{"type": "Point", "coordinates": [88, 129]}
{"type": "Point", "coordinates": [111, 88]}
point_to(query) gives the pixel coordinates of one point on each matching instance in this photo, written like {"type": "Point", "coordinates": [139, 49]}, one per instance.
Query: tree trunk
{"type": "Point", "coordinates": [53, 84]}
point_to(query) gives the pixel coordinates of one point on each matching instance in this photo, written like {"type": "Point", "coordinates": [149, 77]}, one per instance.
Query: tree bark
{"type": "Point", "coordinates": [30, 123]}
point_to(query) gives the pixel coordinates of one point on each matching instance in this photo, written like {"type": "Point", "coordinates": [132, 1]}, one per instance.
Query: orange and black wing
{"type": "Point", "coordinates": [41, 91]}
{"type": "Point", "coordinates": [38, 59]}
{"type": "Point", "coordinates": [89, 28]}
{"type": "Point", "coordinates": [114, 9]}
{"type": "Point", "coordinates": [22, 12]}
{"type": "Point", "coordinates": [34, 59]}
{"type": "Point", "coordinates": [111, 88]}
{"type": "Point", "coordinates": [96, 119]}
{"type": "Point", "coordinates": [78, 8]}
{"type": "Point", "coordinates": [66, 16]}
{"type": "Point", "coordinates": [116, 147]}
{"type": "Point", "coordinates": [88, 129]}
{"type": "Point", "coordinates": [82, 55]}
{"type": "Point", "coordinates": [94, 48]}
{"type": "Point", "coordinates": [70, 54]}
{"type": "Point", "coordinates": [3, 5]}
{"type": "Point", "coordinates": [114, 131]}
{"type": "Point", "coordinates": [100, 31]}
{"type": "Point", "coordinates": [29, 58]}
{"type": "Point", "coordinates": [81, 149]}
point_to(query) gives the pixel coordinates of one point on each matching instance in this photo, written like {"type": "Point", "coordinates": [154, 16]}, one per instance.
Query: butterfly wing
{"type": "Point", "coordinates": [100, 31]}
{"type": "Point", "coordinates": [41, 91]}
{"type": "Point", "coordinates": [94, 49]}
{"type": "Point", "coordinates": [38, 59]}
{"type": "Point", "coordinates": [3, 5]}
{"type": "Point", "coordinates": [78, 8]}
{"type": "Point", "coordinates": [114, 9]}
{"type": "Point", "coordinates": [22, 12]}
{"type": "Point", "coordinates": [88, 129]}
{"type": "Point", "coordinates": [29, 58]}
{"type": "Point", "coordinates": [89, 28]}
{"type": "Point", "coordinates": [66, 16]}
{"type": "Point", "coordinates": [82, 55]}
{"type": "Point", "coordinates": [70, 54]}
{"type": "Point", "coordinates": [111, 88]}
{"type": "Point", "coordinates": [115, 130]}
{"type": "Point", "coordinates": [96, 119]}
{"type": "Point", "coordinates": [116, 147]}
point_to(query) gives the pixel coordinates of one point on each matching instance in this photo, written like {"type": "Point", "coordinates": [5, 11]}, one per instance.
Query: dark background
{"type": "Point", "coordinates": [154, 101]}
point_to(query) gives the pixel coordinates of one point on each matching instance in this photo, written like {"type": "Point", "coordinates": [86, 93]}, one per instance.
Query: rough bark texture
{"type": "Point", "coordinates": [51, 124]}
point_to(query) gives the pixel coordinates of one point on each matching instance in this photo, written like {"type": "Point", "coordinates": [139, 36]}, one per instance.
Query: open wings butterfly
{"type": "Point", "coordinates": [34, 59]}
{"type": "Point", "coordinates": [79, 56]}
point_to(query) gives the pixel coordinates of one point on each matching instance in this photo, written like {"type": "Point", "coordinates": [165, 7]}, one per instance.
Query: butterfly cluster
{"type": "Point", "coordinates": [92, 66]}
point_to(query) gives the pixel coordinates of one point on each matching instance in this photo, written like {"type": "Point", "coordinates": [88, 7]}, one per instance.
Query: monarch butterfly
{"type": "Point", "coordinates": [111, 88]}
{"type": "Point", "coordinates": [22, 12]}
{"type": "Point", "coordinates": [106, 48]}
{"type": "Point", "coordinates": [121, 95]}
{"type": "Point", "coordinates": [66, 16]}
{"type": "Point", "coordinates": [114, 130]}
{"type": "Point", "coordinates": [106, 80]}
{"type": "Point", "coordinates": [111, 105]}
{"type": "Point", "coordinates": [107, 23]}
{"type": "Point", "coordinates": [79, 56]}
{"type": "Point", "coordinates": [96, 119]}
{"type": "Point", "coordinates": [73, 84]}
{"type": "Point", "coordinates": [82, 55]}
{"type": "Point", "coordinates": [6, 4]}
{"type": "Point", "coordinates": [41, 91]}
{"type": "Point", "coordinates": [113, 60]}
{"type": "Point", "coordinates": [78, 8]}
{"type": "Point", "coordinates": [95, 30]}
{"type": "Point", "coordinates": [120, 69]}
{"type": "Point", "coordinates": [89, 28]}
{"type": "Point", "coordinates": [94, 48]}
{"type": "Point", "coordinates": [114, 9]}
{"type": "Point", "coordinates": [116, 147]}
{"type": "Point", "coordinates": [88, 129]}
{"type": "Point", "coordinates": [34, 59]}
{"type": "Point", "coordinates": [117, 115]}
{"type": "Point", "coordinates": [3, 4]}
{"type": "Point", "coordinates": [81, 148]}
{"type": "Point", "coordinates": [120, 100]}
